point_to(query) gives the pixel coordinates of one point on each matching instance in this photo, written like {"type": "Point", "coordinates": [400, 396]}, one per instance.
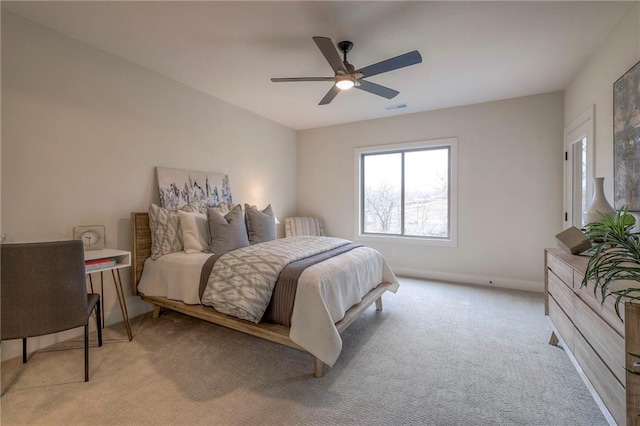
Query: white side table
{"type": "Point", "coordinates": [123, 260]}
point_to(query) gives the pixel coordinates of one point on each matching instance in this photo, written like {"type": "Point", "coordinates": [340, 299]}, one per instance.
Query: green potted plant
{"type": "Point", "coordinates": [615, 256]}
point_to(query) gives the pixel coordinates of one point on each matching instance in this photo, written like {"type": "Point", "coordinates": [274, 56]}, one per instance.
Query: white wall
{"type": "Point", "coordinates": [509, 186]}
{"type": "Point", "coordinates": [82, 131]}
{"type": "Point", "coordinates": [594, 86]}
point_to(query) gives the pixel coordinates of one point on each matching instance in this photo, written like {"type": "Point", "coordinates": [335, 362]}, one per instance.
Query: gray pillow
{"type": "Point", "coordinates": [228, 232]}
{"type": "Point", "coordinates": [261, 225]}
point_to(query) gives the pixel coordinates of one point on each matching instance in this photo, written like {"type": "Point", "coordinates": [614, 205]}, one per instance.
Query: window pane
{"type": "Point", "coordinates": [381, 191]}
{"type": "Point", "coordinates": [584, 180]}
{"type": "Point", "coordinates": [426, 201]}
{"type": "Point", "coordinates": [408, 191]}
{"type": "Point", "coordinates": [579, 170]}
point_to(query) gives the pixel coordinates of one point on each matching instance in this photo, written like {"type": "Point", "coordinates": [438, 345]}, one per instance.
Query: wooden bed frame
{"type": "Point", "coordinates": [141, 250]}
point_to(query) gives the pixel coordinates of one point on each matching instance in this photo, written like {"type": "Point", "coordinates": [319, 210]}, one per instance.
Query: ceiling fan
{"type": "Point", "coordinates": [346, 76]}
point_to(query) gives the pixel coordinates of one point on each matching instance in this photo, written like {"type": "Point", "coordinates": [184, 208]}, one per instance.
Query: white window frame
{"type": "Point", "coordinates": [581, 127]}
{"type": "Point", "coordinates": [452, 241]}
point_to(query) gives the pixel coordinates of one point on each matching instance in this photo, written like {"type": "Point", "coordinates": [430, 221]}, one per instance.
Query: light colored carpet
{"type": "Point", "coordinates": [438, 354]}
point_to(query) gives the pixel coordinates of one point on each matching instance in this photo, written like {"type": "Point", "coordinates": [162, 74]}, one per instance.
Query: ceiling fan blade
{"type": "Point", "coordinates": [330, 53]}
{"type": "Point", "coordinates": [401, 61]}
{"type": "Point", "coordinates": [286, 79]}
{"type": "Point", "coordinates": [377, 89]}
{"type": "Point", "coordinates": [332, 93]}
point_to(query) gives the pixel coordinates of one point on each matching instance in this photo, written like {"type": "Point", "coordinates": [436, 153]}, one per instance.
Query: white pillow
{"type": "Point", "coordinates": [195, 231]}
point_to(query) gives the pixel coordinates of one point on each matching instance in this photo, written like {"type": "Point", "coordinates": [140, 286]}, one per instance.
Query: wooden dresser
{"type": "Point", "coordinates": [593, 333]}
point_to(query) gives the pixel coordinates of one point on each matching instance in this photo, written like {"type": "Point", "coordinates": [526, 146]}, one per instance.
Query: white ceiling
{"type": "Point", "coordinates": [472, 51]}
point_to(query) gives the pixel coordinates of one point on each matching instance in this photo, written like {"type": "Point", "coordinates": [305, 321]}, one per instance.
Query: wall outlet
{"type": "Point", "coordinates": [394, 252]}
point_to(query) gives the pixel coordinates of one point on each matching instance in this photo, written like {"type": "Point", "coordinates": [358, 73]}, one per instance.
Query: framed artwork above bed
{"type": "Point", "coordinates": [178, 187]}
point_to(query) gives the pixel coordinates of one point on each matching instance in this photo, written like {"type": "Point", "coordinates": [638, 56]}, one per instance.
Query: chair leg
{"type": "Point", "coordinates": [24, 350]}
{"type": "Point", "coordinates": [86, 352]}
{"type": "Point", "coordinates": [99, 323]}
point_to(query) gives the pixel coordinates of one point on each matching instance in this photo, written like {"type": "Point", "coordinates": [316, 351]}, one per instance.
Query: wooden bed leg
{"type": "Point", "coordinates": [554, 339]}
{"type": "Point", "coordinates": [318, 368]}
{"type": "Point", "coordinates": [156, 312]}
{"type": "Point", "coordinates": [379, 303]}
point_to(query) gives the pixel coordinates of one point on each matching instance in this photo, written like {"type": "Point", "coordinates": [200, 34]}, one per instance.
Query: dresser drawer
{"type": "Point", "coordinates": [561, 269]}
{"type": "Point", "coordinates": [608, 387]}
{"type": "Point", "coordinates": [594, 301]}
{"type": "Point", "coordinates": [562, 323]}
{"type": "Point", "coordinates": [604, 340]}
{"type": "Point", "coordinates": [562, 294]}
{"type": "Point", "coordinates": [632, 326]}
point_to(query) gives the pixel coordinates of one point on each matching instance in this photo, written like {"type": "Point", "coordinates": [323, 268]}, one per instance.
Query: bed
{"type": "Point", "coordinates": [333, 286]}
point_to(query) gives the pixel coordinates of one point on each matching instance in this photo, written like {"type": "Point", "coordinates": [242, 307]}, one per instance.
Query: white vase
{"type": "Point", "coordinates": [599, 204]}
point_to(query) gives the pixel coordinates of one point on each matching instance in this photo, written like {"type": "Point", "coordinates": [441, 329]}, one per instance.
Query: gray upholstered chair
{"type": "Point", "coordinates": [44, 291]}
{"type": "Point", "coordinates": [303, 226]}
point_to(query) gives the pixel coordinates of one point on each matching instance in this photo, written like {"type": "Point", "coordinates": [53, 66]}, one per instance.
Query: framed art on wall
{"type": "Point", "coordinates": [626, 140]}
{"type": "Point", "coordinates": [178, 187]}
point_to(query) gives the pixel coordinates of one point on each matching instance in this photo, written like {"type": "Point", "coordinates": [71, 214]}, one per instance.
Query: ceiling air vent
{"type": "Point", "coordinates": [395, 106]}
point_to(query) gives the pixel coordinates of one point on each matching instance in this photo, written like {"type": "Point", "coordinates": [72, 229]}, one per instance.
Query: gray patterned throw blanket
{"type": "Point", "coordinates": [242, 281]}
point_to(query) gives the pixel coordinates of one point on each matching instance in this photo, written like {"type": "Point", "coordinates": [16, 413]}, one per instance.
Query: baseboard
{"type": "Point", "coordinates": [138, 307]}
{"type": "Point", "coordinates": [472, 279]}
{"type": "Point", "coordinates": [13, 348]}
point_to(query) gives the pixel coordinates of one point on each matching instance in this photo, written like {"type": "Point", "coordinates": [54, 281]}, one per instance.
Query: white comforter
{"type": "Point", "coordinates": [325, 292]}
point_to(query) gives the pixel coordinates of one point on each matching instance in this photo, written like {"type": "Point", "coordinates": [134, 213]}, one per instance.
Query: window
{"type": "Point", "coordinates": [407, 191]}
{"type": "Point", "coordinates": [579, 166]}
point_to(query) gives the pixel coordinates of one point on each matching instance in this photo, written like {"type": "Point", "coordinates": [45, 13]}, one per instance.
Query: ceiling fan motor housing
{"type": "Point", "coordinates": [345, 46]}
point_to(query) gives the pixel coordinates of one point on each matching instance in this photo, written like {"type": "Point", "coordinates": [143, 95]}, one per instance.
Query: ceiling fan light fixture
{"type": "Point", "coordinates": [345, 82]}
